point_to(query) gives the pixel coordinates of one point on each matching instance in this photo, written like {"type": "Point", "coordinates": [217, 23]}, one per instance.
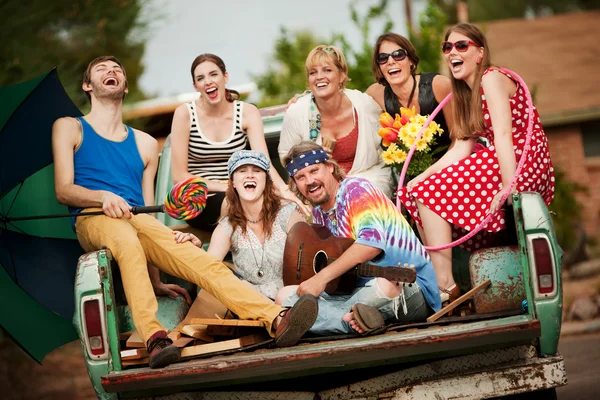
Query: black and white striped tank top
{"type": "Point", "coordinates": [207, 158]}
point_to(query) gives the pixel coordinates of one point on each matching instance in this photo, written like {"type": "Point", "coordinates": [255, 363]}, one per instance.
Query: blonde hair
{"type": "Point", "coordinates": [466, 101]}
{"type": "Point", "coordinates": [330, 54]}
{"type": "Point", "coordinates": [301, 148]}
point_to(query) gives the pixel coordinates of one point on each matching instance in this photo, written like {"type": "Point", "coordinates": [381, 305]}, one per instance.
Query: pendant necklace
{"type": "Point", "coordinates": [260, 273]}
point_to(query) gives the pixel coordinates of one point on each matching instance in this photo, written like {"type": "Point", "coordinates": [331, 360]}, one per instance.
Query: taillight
{"type": "Point", "coordinates": [94, 329]}
{"type": "Point", "coordinates": [93, 325]}
{"type": "Point", "coordinates": [543, 265]}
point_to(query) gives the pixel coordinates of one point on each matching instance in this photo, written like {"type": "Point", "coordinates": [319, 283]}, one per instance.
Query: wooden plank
{"type": "Point", "coordinates": [135, 341]}
{"type": "Point", "coordinates": [133, 354]}
{"type": "Point", "coordinates": [198, 332]}
{"type": "Point", "coordinates": [205, 306]}
{"type": "Point", "coordinates": [183, 341]}
{"type": "Point", "coordinates": [231, 331]}
{"type": "Point", "coordinates": [226, 322]}
{"type": "Point", "coordinates": [459, 301]}
{"type": "Point", "coordinates": [224, 345]}
{"type": "Point", "coordinates": [202, 349]}
{"type": "Point", "coordinates": [125, 335]}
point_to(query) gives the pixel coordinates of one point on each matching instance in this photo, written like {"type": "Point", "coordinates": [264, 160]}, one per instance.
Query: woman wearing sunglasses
{"type": "Point", "coordinates": [465, 187]}
{"type": "Point", "coordinates": [206, 132]}
{"type": "Point", "coordinates": [344, 121]}
{"type": "Point", "coordinates": [394, 67]}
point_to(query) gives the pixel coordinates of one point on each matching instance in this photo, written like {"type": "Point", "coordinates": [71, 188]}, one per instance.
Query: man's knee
{"type": "Point", "coordinates": [387, 288]}
{"type": "Point", "coordinates": [284, 293]}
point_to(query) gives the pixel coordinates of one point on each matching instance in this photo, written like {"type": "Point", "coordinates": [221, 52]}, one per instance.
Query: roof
{"type": "Point", "coordinates": [558, 57]}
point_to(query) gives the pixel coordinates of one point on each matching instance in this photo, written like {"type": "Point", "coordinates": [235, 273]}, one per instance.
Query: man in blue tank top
{"type": "Point", "coordinates": [100, 163]}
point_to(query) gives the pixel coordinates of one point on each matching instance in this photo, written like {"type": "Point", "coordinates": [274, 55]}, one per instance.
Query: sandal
{"type": "Point", "coordinates": [368, 318]}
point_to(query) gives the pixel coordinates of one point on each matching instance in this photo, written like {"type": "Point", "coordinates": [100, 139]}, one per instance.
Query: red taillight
{"type": "Point", "coordinates": [93, 326]}
{"type": "Point", "coordinates": [543, 265]}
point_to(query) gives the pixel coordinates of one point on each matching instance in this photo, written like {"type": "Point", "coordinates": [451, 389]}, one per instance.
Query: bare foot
{"type": "Point", "coordinates": [349, 317]}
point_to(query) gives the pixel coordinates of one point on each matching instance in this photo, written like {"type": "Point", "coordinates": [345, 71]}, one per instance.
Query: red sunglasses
{"type": "Point", "coordinates": [461, 46]}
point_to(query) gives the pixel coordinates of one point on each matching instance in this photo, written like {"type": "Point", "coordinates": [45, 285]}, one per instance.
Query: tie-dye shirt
{"type": "Point", "coordinates": [363, 213]}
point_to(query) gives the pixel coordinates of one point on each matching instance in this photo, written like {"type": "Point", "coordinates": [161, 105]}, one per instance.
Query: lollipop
{"type": "Point", "coordinates": [187, 199]}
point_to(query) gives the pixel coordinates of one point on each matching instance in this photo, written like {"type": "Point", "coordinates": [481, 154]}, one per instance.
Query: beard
{"type": "Point", "coordinates": [322, 200]}
{"type": "Point", "coordinates": [102, 93]}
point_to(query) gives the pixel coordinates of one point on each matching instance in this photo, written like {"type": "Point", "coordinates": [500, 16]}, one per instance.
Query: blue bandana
{"type": "Point", "coordinates": [305, 159]}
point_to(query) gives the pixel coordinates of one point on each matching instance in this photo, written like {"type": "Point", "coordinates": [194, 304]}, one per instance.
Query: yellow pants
{"type": "Point", "coordinates": [142, 239]}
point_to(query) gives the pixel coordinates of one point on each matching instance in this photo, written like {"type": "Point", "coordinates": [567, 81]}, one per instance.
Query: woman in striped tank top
{"type": "Point", "coordinates": [207, 131]}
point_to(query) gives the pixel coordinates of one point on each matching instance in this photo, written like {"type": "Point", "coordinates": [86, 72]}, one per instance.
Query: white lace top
{"type": "Point", "coordinates": [261, 265]}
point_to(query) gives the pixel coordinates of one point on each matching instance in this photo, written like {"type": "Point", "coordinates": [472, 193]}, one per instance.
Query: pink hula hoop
{"type": "Point", "coordinates": [526, 148]}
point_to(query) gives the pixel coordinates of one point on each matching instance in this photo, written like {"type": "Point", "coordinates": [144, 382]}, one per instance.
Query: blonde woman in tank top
{"type": "Point", "coordinates": [206, 132]}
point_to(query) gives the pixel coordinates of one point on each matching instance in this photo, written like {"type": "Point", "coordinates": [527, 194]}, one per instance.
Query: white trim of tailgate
{"type": "Point", "coordinates": [86, 339]}
{"type": "Point", "coordinates": [534, 276]}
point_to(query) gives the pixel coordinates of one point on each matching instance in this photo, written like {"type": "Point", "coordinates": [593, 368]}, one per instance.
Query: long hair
{"type": "Point", "coordinates": [303, 147]}
{"type": "Point", "coordinates": [230, 95]}
{"type": "Point", "coordinates": [271, 205]}
{"type": "Point", "coordinates": [400, 41]}
{"type": "Point", "coordinates": [466, 101]}
{"type": "Point", "coordinates": [329, 54]}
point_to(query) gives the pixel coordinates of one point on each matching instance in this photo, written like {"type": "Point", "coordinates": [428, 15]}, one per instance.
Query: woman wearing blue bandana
{"type": "Point", "coordinates": [334, 116]}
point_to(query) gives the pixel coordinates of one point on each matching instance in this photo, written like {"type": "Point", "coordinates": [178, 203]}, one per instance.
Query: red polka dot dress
{"type": "Point", "coordinates": [463, 192]}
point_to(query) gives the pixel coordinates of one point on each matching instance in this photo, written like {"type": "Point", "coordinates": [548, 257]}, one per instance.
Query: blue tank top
{"type": "Point", "coordinates": [117, 167]}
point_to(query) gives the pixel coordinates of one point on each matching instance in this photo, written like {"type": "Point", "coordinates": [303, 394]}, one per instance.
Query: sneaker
{"type": "Point", "coordinates": [161, 350]}
{"type": "Point", "coordinates": [296, 321]}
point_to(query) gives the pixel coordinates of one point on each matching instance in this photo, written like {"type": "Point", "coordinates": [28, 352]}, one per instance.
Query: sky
{"type": "Point", "coordinates": [242, 33]}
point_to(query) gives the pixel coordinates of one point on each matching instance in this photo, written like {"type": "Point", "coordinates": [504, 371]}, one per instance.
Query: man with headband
{"type": "Point", "coordinates": [100, 163]}
{"type": "Point", "coordinates": [354, 208]}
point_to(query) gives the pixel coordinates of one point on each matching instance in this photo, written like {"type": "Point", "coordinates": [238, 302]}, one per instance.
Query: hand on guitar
{"type": "Point", "coordinates": [314, 286]}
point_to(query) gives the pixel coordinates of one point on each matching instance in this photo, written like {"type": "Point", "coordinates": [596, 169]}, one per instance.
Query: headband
{"type": "Point", "coordinates": [305, 159]}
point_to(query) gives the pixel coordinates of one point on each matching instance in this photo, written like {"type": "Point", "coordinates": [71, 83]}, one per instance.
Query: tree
{"type": "Point", "coordinates": [359, 61]}
{"type": "Point", "coordinates": [427, 39]}
{"type": "Point", "coordinates": [287, 76]}
{"type": "Point", "coordinates": [68, 34]}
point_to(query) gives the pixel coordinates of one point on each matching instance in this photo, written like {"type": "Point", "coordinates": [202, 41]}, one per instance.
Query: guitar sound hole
{"type": "Point", "coordinates": [320, 261]}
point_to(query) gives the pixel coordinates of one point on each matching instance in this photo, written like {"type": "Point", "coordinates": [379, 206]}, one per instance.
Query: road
{"type": "Point", "coordinates": [582, 361]}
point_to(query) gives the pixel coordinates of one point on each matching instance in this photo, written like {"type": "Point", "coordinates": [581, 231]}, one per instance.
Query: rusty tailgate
{"type": "Point", "coordinates": [333, 356]}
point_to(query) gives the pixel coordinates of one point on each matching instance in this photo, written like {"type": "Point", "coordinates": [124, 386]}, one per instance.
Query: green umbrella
{"type": "Point", "coordinates": [37, 258]}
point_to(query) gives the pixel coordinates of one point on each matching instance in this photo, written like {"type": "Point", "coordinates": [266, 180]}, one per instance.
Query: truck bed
{"type": "Point", "coordinates": [401, 346]}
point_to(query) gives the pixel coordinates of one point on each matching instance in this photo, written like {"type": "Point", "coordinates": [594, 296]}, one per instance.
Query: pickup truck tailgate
{"type": "Point", "coordinates": [394, 347]}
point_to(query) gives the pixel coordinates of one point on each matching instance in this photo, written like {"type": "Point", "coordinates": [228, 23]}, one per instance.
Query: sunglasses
{"type": "Point", "coordinates": [397, 55]}
{"type": "Point", "coordinates": [461, 46]}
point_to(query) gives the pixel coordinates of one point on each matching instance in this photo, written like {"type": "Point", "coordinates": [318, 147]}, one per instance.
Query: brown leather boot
{"type": "Point", "coordinates": [161, 350]}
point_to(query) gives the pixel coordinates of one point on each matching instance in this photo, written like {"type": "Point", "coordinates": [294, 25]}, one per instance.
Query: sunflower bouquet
{"type": "Point", "coordinates": [400, 133]}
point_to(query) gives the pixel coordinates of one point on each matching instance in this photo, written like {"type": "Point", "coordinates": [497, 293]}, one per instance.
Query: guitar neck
{"type": "Point", "coordinates": [389, 273]}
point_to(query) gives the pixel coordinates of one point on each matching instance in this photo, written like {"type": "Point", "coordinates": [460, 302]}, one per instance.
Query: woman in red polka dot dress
{"type": "Point", "coordinates": [455, 194]}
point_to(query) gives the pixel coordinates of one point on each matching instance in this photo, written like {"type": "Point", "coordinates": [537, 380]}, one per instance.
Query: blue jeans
{"type": "Point", "coordinates": [333, 308]}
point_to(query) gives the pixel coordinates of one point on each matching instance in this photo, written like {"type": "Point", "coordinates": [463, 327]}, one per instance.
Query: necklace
{"type": "Point", "coordinates": [259, 272]}
{"type": "Point", "coordinates": [254, 221]}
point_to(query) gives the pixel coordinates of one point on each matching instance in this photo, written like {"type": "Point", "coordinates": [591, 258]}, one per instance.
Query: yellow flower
{"type": "Point", "coordinates": [421, 144]}
{"type": "Point", "coordinates": [408, 141]}
{"type": "Point", "coordinates": [400, 156]}
{"type": "Point", "coordinates": [388, 156]}
{"type": "Point", "coordinates": [427, 135]}
{"type": "Point", "coordinates": [419, 119]}
{"type": "Point", "coordinates": [414, 129]}
{"type": "Point", "coordinates": [393, 148]}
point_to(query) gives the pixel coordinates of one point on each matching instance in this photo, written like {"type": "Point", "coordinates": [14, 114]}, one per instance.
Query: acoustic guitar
{"type": "Point", "coordinates": [309, 248]}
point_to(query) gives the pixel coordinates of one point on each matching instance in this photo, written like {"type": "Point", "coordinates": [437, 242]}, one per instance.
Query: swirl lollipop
{"type": "Point", "coordinates": [187, 199]}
